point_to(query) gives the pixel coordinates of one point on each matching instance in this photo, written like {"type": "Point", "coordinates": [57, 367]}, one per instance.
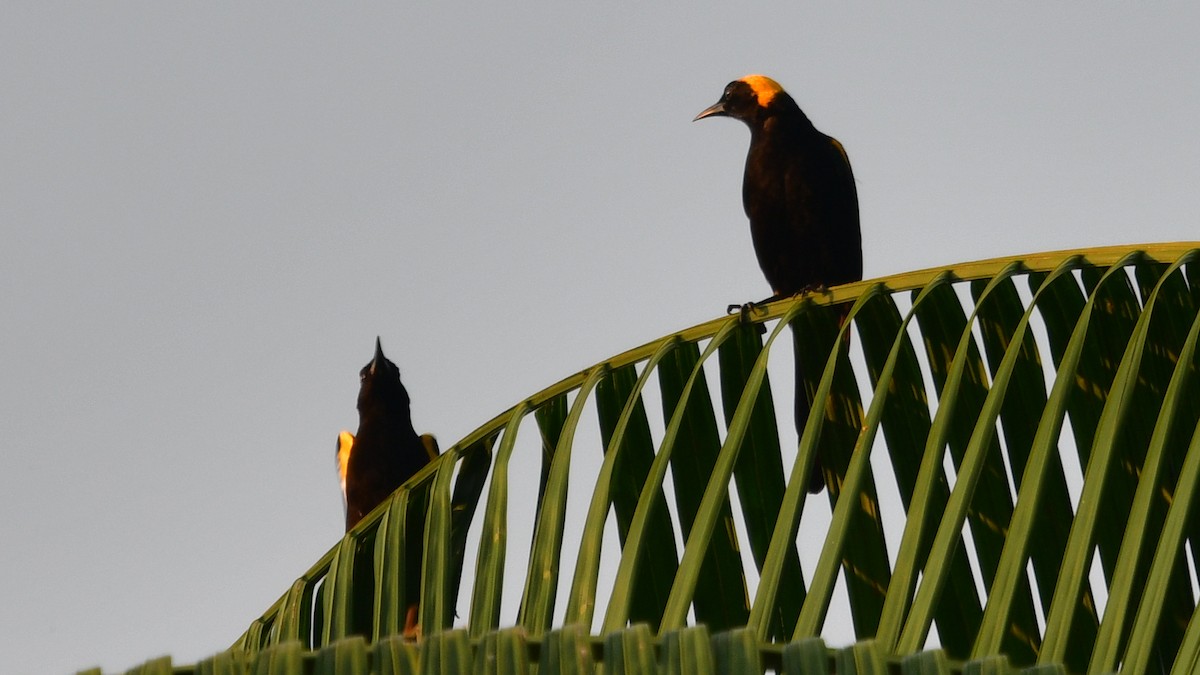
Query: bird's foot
{"type": "Point", "coordinates": [816, 289]}
{"type": "Point", "coordinates": [750, 307]}
{"type": "Point", "coordinates": [746, 309]}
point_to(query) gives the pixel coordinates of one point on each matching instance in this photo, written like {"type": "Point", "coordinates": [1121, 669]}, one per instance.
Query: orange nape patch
{"type": "Point", "coordinates": [345, 444]}
{"type": "Point", "coordinates": [764, 88]}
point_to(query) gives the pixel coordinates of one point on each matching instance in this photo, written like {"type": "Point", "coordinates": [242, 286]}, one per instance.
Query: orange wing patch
{"type": "Point", "coordinates": [763, 87]}
{"type": "Point", "coordinates": [345, 445]}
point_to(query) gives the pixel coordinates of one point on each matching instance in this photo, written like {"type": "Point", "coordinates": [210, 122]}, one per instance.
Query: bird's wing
{"type": "Point", "coordinates": [845, 175]}
{"type": "Point", "coordinates": [851, 234]}
{"type": "Point", "coordinates": [822, 203]}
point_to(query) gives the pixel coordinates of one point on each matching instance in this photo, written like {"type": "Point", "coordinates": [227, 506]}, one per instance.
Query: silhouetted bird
{"type": "Point", "coordinates": [798, 191]}
{"type": "Point", "coordinates": [386, 451]}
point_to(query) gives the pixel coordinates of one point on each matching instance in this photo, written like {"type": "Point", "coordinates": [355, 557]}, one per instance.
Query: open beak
{"type": "Point", "coordinates": [715, 109]}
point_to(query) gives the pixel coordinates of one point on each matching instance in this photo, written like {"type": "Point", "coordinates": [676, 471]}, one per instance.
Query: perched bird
{"type": "Point", "coordinates": [386, 451]}
{"type": "Point", "coordinates": [798, 192]}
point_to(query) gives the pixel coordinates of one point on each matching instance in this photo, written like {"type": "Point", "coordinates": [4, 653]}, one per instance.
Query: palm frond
{"type": "Point", "coordinates": [1014, 454]}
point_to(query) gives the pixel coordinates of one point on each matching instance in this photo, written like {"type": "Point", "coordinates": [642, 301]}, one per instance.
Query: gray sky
{"type": "Point", "coordinates": [209, 212]}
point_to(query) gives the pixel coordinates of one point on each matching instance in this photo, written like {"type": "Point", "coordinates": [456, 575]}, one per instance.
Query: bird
{"type": "Point", "coordinates": [799, 194]}
{"type": "Point", "coordinates": [386, 450]}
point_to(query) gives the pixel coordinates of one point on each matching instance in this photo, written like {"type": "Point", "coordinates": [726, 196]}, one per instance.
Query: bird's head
{"type": "Point", "coordinates": [748, 99]}
{"type": "Point", "coordinates": [380, 385]}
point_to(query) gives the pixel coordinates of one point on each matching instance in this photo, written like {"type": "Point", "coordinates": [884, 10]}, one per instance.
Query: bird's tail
{"type": "Point", "coordinates": [816, 477]}
{"type": "Point", "coordinates": [805, 391]}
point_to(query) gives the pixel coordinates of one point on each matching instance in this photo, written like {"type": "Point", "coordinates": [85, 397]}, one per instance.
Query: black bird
{"type": "Point", "coordinates": [798, 191]}
{"type": "Point", "coordinates": [386, 451]}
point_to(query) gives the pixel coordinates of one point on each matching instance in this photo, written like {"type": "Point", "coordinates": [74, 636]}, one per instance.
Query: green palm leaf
{"type": "Point", "coordinates": [947, 393]}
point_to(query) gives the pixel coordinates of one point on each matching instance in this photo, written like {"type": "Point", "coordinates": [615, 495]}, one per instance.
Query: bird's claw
{"type": "Point", "coordinates": [745, 310]}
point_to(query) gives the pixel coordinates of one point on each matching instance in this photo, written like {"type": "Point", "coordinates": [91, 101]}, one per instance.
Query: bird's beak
{"type": "Point", "coordinates": [378, 356]}
{"type": "Point", "coordinates": [716, 109]}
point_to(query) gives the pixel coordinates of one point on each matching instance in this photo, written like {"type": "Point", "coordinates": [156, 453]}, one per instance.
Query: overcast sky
{"type": "Point", "coordinates": [209, 212]}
